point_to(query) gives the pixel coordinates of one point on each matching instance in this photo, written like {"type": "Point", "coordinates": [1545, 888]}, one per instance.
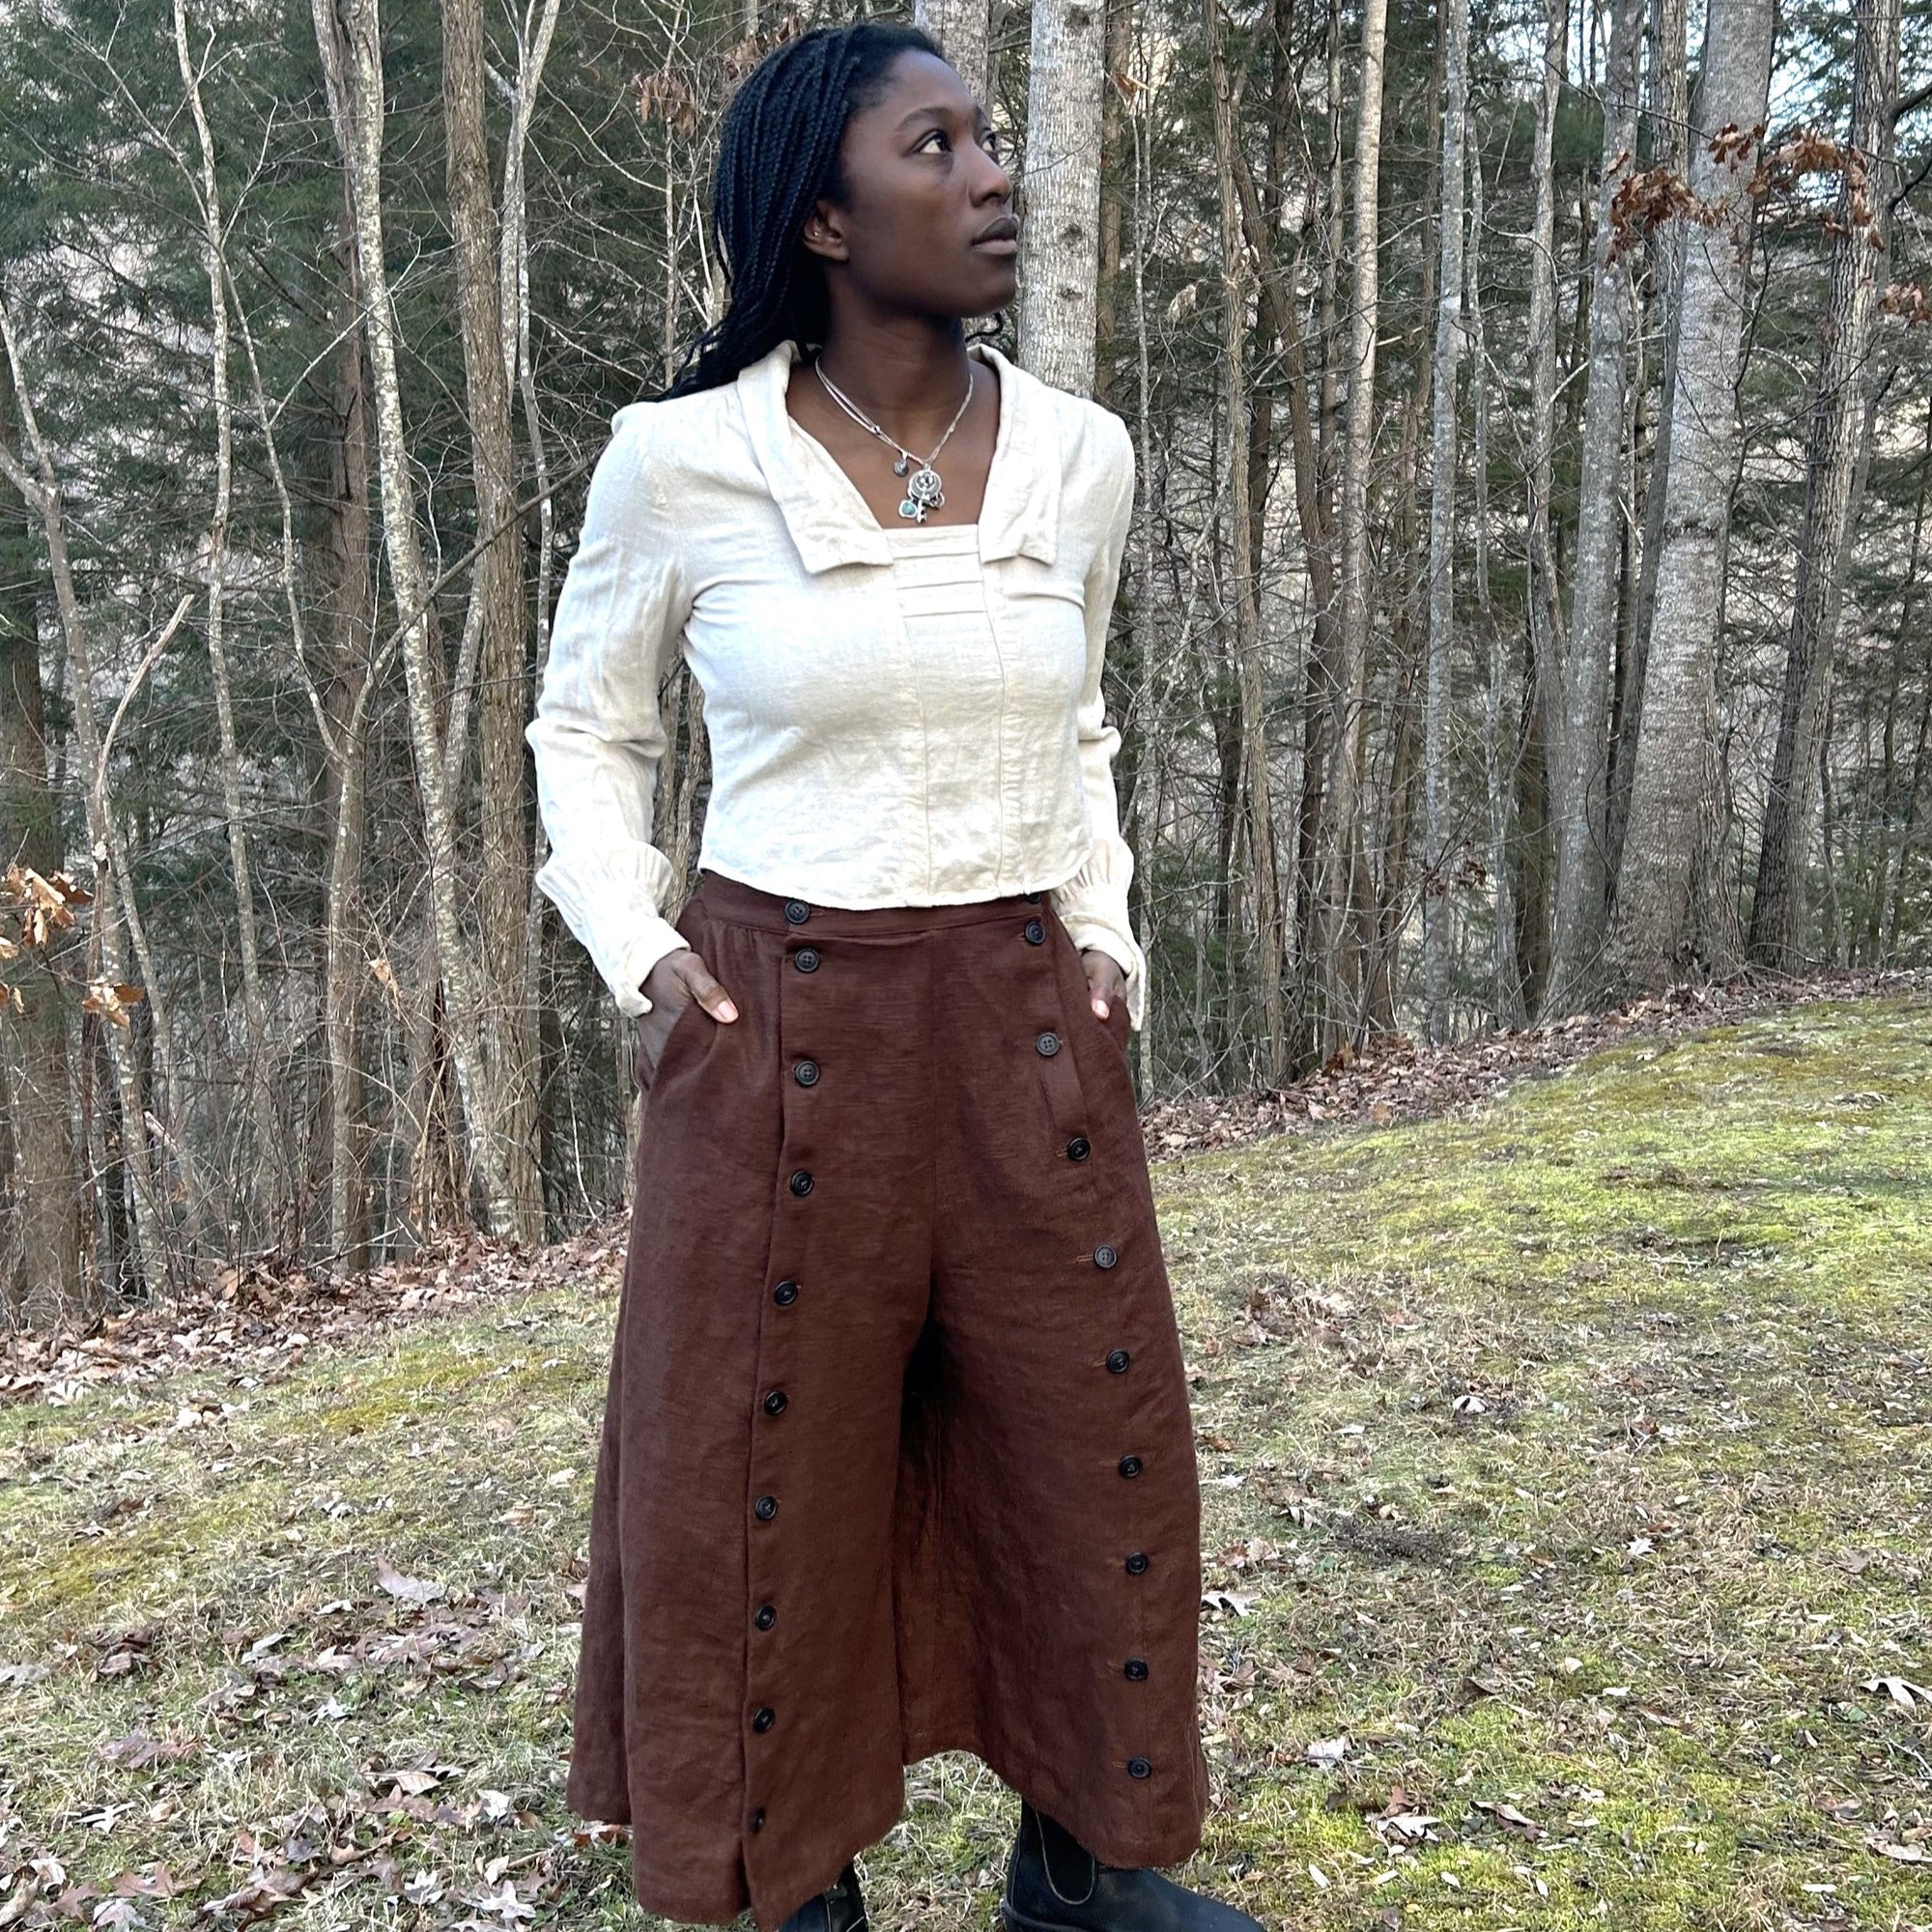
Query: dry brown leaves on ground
{"type": "Point", "coordinates": [256, 1322]}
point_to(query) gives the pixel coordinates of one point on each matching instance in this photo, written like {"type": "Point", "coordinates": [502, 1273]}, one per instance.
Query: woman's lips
{"type": "Point", "coordinates": [1000, 245]}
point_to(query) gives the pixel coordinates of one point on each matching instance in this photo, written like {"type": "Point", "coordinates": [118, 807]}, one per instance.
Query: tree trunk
{"type": "Point", "coordinates": [507, 1031]}
{"type": "Point", "coordinates": [149, 1257]}
{"type": "Point", "coordinates": [355, 74]}
{"type": "Point", "coordinates": [1259, 823]}
{"type": "Point", "coordinates": [1839, 418]}
{"type": "Point", "coordinates": [1660, 923]}
{"type": "Point", "coordinates": [1345, 894]}
{"type": "Point", "coordinates": [1580, 770]}
{"type": "Point", "coordinates": [1060, 245]}
{"type": "Point", "coordinates": [1546, 608]}
{"type": "Point", "coordinates": [961, 27]}
{"type": "Point", "coordinates": [267, 1129]}
{"type": "Point", "coordinates": [40, 1201]}
{"type": "Point", "coordinates": [1444, 450]}
{"type": "Point", "coordinates": [1500, 745]}
{"type": "Point", "coordinates": [1666, 115]}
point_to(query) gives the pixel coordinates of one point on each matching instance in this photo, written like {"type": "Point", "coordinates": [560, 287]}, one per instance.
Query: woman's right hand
{"type": "Point", "coordinates": [670, 986]}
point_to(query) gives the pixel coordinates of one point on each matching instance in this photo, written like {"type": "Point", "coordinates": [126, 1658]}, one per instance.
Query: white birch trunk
{"type": "Point", "coordinates": [1662, 926]}
{"type": "Point", "coordinates": [1060, 236]}
{"type": "Point", "coordinates": [962, 27]}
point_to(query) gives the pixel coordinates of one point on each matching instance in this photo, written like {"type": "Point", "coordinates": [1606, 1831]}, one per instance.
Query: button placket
{"type": "Point", "coordinates": [1057, 1063]}
{"type": "Point", "coordinates": [798, 1208]}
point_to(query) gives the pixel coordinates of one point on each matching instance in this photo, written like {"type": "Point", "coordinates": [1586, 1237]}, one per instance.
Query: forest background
{"type": "Point", "coordinates": [1523, 609]}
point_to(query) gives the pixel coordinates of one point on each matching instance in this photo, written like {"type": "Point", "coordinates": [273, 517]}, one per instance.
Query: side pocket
{"type": "Point", "coordinates": [690, 924]}
{"type": "Point", "coordinates": [647, 1076]}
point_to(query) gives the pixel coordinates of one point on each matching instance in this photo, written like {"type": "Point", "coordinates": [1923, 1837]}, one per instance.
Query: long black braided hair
{"type": "Point", "coordinates": [778, 153]}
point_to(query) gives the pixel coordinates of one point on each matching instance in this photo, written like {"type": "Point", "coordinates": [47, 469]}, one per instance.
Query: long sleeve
{"type": "Point", "coordinates": [1093, 904]}
{"type": "Point", "coordinates": [597, 736]}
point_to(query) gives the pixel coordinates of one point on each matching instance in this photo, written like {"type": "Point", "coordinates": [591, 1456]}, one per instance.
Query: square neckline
{"type": "Point", "coordinates": [899, 527]}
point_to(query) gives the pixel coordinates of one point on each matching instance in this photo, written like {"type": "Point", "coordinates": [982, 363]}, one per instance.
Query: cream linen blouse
{"type": "Point", "coordinates": [885, 729]}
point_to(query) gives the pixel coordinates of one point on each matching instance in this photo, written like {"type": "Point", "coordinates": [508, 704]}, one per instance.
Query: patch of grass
{"type": "Point", "coordinates": [1567, 1472]}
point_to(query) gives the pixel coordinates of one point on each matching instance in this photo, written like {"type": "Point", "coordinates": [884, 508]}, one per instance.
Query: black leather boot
{"type": "Point", "coordinates": [838, 1907]}
{"type": "Point", "coordinates": [1054, 1884]}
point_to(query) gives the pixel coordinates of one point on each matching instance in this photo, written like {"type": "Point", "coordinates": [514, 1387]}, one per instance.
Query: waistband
{"type": "Point", "coordinates": [740, 904]}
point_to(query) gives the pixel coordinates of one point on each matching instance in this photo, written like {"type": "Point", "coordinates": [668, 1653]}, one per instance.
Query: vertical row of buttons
{"type": "Point", "coordinates": [805, 1072]}
{"type": "Point", "coordinates": [1079, 1147]}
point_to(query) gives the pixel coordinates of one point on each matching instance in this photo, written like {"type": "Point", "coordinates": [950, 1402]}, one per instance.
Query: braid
{"type": "Point", "coordinates": [777, 154]}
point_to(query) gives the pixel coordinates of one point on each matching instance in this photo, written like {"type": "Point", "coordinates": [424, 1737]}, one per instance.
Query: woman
{"type": "Point", "coordinates": [897, 1456]}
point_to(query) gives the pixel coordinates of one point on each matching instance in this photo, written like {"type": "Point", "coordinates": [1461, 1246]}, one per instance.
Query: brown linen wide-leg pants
{"type": "Point", "coordinates": [897, 1456]}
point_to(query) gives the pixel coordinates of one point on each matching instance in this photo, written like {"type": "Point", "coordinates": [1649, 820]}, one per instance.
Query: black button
{"type": "Point", "coordinates": [766, 1508]}
{"type": "Point", "coordinates": [797, 911]}
{"type": "Point", "coordinates": [1130, 1465]}
{"type": "Point", "coordinates": [1139, 1766]}
{"type": "Point", "coordinates": [763, 1718]}
{"type": "Point", "coordinates": [1035, 932]}
{"type": "Point", "coordinates": [1033, 899]}
{"type": "Point", "coordinates": [805, 959]}
{"type": "Point", "coordinates": [766, 1617]}
{"type": "Point", "coordinates": [800, 1182]}
{"type": "Point", "coordinates": [775, 1403]}
{"type": "Point", "coordinates": [1079, 1147]}
{"type": "Point", "coordinates": [1104, 1257]}
{"type": "Point", "coordinates": [1137, 1563]}
{"type": "Point", "coordinates": [1048, 1044]}
{"type": "Point", "coordinates": [1116, 1362]}
{"type": "Point", "coordinates": [786, 1293]}
{"type": "Point", "coordinates": [805, 1072]}
{"type": "Point", "coordinates": [1137, 1668]}
{"type": "Point", "coordinates": [758, 1819]}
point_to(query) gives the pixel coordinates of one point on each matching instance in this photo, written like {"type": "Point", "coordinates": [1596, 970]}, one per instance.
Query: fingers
{"type": "Point", "coordinates": [704, 989]}
{"type": "Point", "coordinates": [1105, 982]}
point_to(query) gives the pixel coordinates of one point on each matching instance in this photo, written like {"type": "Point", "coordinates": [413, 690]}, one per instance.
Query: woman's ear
{"type": "Point", "coordinates": [821, 233]}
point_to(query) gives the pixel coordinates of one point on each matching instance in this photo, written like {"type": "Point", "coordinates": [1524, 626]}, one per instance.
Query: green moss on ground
{"type": "Point", "coordinates": [1567, 1471]}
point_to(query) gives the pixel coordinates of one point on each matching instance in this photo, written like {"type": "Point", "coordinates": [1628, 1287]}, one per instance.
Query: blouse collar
{"type": "Point", "coordinates": [829, 521]}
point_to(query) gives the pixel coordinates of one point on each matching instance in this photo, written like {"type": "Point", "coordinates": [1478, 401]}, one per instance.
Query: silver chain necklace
{"type": "Point", "coordinates": [922, 491]}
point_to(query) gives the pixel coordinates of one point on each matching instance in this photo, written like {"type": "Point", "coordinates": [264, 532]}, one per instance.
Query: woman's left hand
{"type": "Point", "coordinates": [1105, 982]}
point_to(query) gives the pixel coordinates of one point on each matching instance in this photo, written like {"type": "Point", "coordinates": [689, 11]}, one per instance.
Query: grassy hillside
{"type": "Point", "coordinates": [1569, 1484]}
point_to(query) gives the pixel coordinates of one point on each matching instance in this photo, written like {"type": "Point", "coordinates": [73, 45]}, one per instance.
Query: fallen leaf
{"type": "Point", "coordinates": [410, 1589]}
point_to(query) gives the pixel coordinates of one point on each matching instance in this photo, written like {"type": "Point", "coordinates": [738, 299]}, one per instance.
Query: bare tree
{"type": "Point", "coordinates": [1839, 421]}
{"type": "Point", "coordinates": [266, 1129]}
{"type": "Point", "coordinates": [1445, 443]}
{"type": "Point", "coordinates": [1347, 901]}
{"type": "Point", "coordinates": [1670, 906]}
{"type": "Point", "coordinates": [353, 64]}
{"type": "Point", "coordinates": [40, 1186]}
{"type": "Point", "coordinates": [116, 916]}
{"type": "Point", "coordinates": [1580, 771]}
{"type": "Point", "coordinates": [1544, 703]}
{"type": "Point", "coordinates": [494, 631]}
{"type": "Point", "coordinates": [1259, 818]}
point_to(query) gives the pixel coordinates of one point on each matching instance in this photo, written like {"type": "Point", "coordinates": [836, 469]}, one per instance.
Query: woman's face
{"type": "Point", "coordinates": [924, 184]}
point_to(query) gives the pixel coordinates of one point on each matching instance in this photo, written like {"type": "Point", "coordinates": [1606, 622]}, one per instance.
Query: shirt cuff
{"type": "Point", "coordinates": [658, 939]}
{"type": "Point", "coordinates": [1093, 907]}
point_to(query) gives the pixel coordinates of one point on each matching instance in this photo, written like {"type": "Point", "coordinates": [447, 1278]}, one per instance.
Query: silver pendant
{"type": "Point", "coordinates": [923, 494]}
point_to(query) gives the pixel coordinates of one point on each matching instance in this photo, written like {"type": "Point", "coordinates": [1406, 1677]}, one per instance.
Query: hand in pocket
{"type": "Point", "coordinates": [672, 984]}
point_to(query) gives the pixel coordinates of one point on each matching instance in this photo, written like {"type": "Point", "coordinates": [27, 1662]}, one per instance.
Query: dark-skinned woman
{"type": "Point", "coordinates": [897, 1454]}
